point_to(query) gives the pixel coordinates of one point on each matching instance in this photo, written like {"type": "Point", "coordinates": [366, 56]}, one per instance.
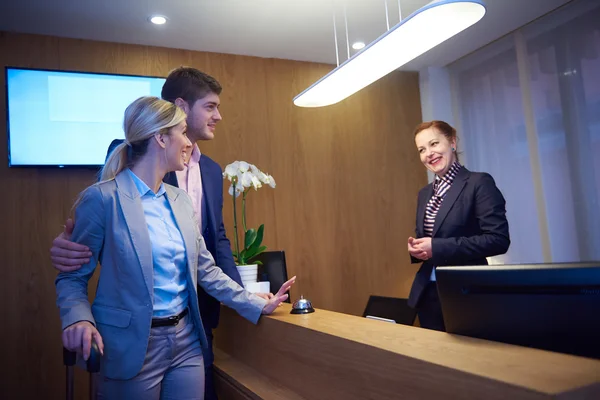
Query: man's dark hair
{"type": "Point", "coordinates": [190, 84]}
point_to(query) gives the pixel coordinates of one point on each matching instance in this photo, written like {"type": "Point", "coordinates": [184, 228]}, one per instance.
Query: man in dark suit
{"type": "Point", "coordinates": [197, 94]}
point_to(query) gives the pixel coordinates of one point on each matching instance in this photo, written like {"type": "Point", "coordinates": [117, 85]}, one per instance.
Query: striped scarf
{"type": "Point", "coordinates": [440, 188]}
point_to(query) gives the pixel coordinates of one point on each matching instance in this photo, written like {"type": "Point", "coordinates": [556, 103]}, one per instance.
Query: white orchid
{"type": "Point", "coordinates": [243, 166]}
{"type": "Point", "coordinates": [246, 179]}
{"type": "Point", "coordinates": [244, 176]}
{"type": "Point", "coordinates": [256, 183]}
{"type": "Point", "coordinates": [238, 190]}
{"type": "Point", "coordinates": [231, 170]}
{"type": "Point", "coordinates": [267, 179]}
{"type": "Point", "coordinates": [262, 177]}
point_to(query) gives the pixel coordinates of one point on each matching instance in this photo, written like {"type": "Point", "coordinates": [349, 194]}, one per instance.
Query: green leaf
{"type": "Point", "coordinates": [259, 235]}
{"type": "Point", "coordinates": [258, 240]}
{"type": "Point", "coordinates": [250, 237]}
{"type": "Point", "coordinates": [254, 252]}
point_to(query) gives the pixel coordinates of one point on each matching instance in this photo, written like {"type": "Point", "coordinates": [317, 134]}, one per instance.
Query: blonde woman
{"type": "Point", "coordinates": [145, 316]}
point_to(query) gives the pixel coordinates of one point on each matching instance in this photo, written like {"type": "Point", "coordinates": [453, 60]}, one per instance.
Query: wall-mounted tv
{"type": "Point", "coordinates": [68, 119]}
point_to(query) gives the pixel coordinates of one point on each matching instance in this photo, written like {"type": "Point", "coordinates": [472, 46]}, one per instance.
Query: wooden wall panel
{"type": "Point", "coordinates": [347, 178]}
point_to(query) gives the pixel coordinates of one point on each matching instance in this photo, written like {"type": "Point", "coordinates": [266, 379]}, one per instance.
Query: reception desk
{"type": "Point", "coordinates": [328, 355]}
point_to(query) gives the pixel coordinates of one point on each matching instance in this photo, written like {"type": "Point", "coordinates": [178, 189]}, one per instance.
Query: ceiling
{"type": "Point", "coordinates": [289, 29]}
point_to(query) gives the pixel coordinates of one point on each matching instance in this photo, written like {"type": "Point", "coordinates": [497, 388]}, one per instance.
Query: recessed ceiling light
{"type": "Point", "coordinates": [158, 20]}
{"type": "Point", "coordinates": [358, 45]}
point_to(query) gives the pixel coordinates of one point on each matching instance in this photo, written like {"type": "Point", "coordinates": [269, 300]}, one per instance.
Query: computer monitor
{"type": "Point", "coordinates": [553, 307]}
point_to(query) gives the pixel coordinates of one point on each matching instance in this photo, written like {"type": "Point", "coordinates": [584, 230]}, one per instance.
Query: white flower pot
{"type": "Point", "coordinates": [249, 273]}
{"type": "Point", "coordinates": [259, 287]}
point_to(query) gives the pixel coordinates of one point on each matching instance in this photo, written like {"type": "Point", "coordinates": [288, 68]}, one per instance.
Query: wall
{"type": "Point", "coordinates": [435, 89]}
{"type": "Point", "coordinates": [347, 178]}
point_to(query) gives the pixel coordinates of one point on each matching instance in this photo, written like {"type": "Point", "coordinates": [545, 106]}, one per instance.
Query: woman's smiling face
{"type": "Point", "coordinates": [435, 150]}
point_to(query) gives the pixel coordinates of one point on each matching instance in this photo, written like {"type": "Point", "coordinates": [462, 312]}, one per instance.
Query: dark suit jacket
{"type": "Point", "coordinates": [470, 226]}
{"type": "Point", "coordinates": [213, 231]}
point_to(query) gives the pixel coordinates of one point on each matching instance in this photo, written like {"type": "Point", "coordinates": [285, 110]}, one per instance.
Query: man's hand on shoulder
{"type": "Point", "coordinates": [68, 256]}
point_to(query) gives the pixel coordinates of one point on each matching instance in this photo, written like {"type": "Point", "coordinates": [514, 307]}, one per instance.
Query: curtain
{"type": "Point", "coordinates": [560, 73]}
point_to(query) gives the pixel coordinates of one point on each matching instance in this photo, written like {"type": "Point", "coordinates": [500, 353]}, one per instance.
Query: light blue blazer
{"type": "Point", "coordinates": [110, 221]}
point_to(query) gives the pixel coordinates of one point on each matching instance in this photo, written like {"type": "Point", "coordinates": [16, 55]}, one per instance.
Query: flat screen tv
{"type": "Point", "coordinates": [67, 119]}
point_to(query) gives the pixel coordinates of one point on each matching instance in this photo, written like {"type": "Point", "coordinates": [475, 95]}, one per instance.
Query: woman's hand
{"type": "Point", "coordinates": [281, 295]}
{"type": "Point", "coordinates": [266, 296]}
{"type": "Point", "coordinates": [78, 338]}
{"type": "Point", "coordinates": [420, 248]}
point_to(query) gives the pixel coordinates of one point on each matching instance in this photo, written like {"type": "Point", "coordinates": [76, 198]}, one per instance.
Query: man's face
{"type": "Point", "coordinates": [202, 117]}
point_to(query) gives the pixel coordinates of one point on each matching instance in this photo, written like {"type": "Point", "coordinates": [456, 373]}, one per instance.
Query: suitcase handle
{"type": "Point", "coordinates": [93, 363]}
{"type": "Point", "coordinates": [92, 366]}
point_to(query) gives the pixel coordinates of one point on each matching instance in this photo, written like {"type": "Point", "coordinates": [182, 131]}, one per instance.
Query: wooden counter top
{"type": "Point", "coordinates": [343, 356]}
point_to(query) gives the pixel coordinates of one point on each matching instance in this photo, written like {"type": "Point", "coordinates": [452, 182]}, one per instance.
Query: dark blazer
{"type": "Point", "coordinates": [470, 226]}
{"type": "Point", "coordinates": [213, 231]}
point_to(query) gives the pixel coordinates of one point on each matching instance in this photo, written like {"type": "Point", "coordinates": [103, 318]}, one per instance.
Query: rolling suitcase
{"type": "Point", "coordinates": [92, 366]}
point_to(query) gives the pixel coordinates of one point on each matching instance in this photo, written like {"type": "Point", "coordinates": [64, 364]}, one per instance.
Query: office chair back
{"type": "Point", "coordinates": [273, 270]}
{"type": "Point", "coordinates": [391, 308]}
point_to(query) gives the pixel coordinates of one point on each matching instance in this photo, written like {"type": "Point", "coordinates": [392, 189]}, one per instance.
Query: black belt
{"type": "Point", "coordinates": [169, 321]}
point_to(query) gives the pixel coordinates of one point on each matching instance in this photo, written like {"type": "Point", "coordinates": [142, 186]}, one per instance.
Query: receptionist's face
{"type": "Point", "coordinates": [435, 150]}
